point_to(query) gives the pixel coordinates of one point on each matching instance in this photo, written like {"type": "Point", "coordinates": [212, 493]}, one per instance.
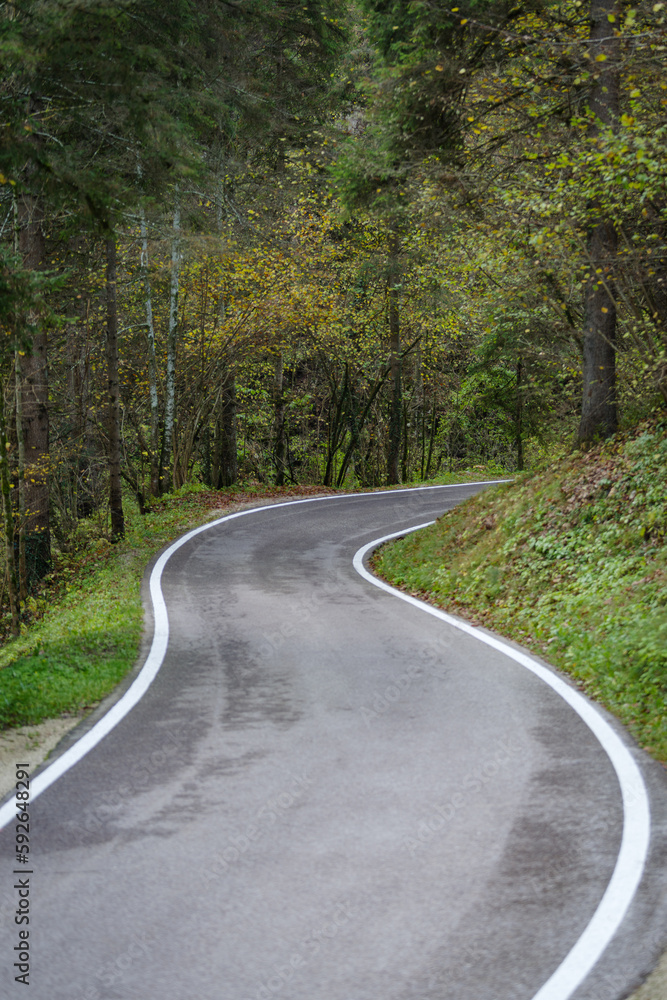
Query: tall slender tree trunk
{"type": "Point", "coordinates": [113, 417]}
{"type": "Point", "coordinates": [83, 433]}
{"type": "Point", "coordinates": [226, 468]}
{"type": "Point", "coordinates": [519, 414]}
{"type": "Point", "coordinates": [431, 441]}
{"type": "Point", "coordinates": [599, 411]}
{"type": "Point", "coordinates": [34, 404]}
{"type": "Point", "coordinates": [395, 414]}
{"type": "Point", "coordinates": [225, 453]}
{"type": "Point", "coordinates": [170, 384]}
{"type": "Point", "coordinates": [405, 475]}
{"type": "Point", "coordinates": [226, 446]}
{"type": "Point", "coordinates": [335, 425]}
{"type": "Point", "coordinates": [356, 422]}
{"type": "Point", "coordinates": [20, 474]}
{"type": "Point", "coordinates": [279, 447]}
{"type": "Point", "coordinates": [152, 363]}
{"type": "Point", "coordinates": [20, 471]}
{"type": "Point", "coordinates": [8, 520]}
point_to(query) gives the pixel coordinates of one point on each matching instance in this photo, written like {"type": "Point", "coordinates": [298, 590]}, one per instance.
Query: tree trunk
{"type": "Point", "coordinates": [598, 411]}
{"type": "Point", "coordinates": [336, 424]}
{"type": "Point", "coordinates": [113, 420]}
{"type": "Point", "coordinates": [395, 416]}
{"type": "Point", "coordinates": [84, 433]}
{"type": "Point", "coordinates": [519, 414]}
{"type": "Point", "coordinates": [170, 387]}
{"type": "Point", "coordinates": [279, 421]}
{"type": "Point", "coordinates": [20, 474]}
{"type": "Point", "coordinates": [152, 364]}
{"type": "Point", "coordinates": [20, 440]}
{"type": "Point", "coordinates": [405, 475]}
{"type": "Point", "coordinates": [226, 448]}
{"type": "Point", "coordinates": [356, 424]}
{"type": "Point", "coordinates": [8, 519]}
{"type": "Point", "coordinates": [34, 405]}
{"type": "Point", "coordinates": [431, 440]}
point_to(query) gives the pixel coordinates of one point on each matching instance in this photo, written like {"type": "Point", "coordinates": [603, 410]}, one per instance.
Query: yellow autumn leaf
{"type": "Point", "coordinates": [601, 57]}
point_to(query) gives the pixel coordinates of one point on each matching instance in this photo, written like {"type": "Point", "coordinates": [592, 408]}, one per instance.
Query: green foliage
{"type": "Point", "coordinates": [106, 101]}
{"type": "Point", "coordinates": [425, 56]}
{"type": "Point", "coordinates": [89, 86]}
{"type": "Point", "coordinates": [571, 562]}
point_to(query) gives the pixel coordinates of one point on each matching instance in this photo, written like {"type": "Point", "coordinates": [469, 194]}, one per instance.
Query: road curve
{"type": "Point", "coordinates": [321, 792]}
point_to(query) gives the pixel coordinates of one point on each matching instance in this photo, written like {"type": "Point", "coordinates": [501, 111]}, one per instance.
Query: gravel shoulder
{"type": "Point", "coordinates": [30, 745]}
{"type": "Point", "coordinates": [655, 987]}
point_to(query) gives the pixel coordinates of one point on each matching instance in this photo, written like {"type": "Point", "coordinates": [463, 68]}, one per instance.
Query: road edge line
{"type": "Point", "coordinates": [633, 852]}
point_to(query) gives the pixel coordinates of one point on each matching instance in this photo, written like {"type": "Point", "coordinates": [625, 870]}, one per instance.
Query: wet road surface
{"type": "Point", "coordinates": [327, 795]}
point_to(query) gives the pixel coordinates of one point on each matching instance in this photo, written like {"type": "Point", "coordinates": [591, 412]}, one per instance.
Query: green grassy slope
{"type": "Point", "coordinates": [571, 563]}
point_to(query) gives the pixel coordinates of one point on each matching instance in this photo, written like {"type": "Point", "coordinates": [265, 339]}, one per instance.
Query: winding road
{"type": "Point", "coordinates": [317, 790]}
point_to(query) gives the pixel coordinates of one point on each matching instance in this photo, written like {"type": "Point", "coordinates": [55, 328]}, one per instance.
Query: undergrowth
{"type": "Point", "coordinates": [570, 562]}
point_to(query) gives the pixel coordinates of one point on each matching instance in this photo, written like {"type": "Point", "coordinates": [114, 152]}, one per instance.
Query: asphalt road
{"type": "Point", "coordinates": [327, 794]}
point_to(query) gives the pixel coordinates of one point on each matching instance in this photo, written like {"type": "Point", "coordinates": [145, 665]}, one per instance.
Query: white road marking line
{"type": "Point", "coordinates": [631, 859]}
{"type": "Point", "coordinates": [158, 649]}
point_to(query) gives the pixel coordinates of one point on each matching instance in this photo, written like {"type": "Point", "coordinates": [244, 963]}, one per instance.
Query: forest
{"type": "Point", "coordinates": [353, 243]}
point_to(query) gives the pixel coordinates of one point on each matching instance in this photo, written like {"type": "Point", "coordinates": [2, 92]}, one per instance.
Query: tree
{"type": "Point", "coordinates": [113, 419]}
{"type": "Point", "coordinates": [76, 72]}
{"type": "Point", "coordinates": [395, 418]}
{"type": "Point", "coordinates": [34, 391]}
{"type": "Point", "coordinates": [22, 297]}
{"type": "Point", "coordinates": [598, 411]}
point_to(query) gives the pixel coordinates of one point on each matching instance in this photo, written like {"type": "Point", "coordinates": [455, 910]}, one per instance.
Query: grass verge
{"type": "Point", "coordinates": [570, 562]}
